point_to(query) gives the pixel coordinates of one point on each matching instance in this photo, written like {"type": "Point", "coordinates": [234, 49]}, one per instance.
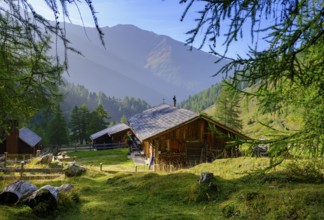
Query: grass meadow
{"type": "Point", "coordinates": [240, 190]}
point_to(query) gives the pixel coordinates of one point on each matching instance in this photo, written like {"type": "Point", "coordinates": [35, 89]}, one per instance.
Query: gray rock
{"type": "Point", "coordinates": [206, 178]}
{"type": "Point", "coordinates": [74, 170]}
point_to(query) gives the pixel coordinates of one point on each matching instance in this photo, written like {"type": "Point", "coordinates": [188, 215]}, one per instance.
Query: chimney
{"type": "Point", "coordinates": [12, 139]}
{"type": "Point", "coordinates": [174, 101]}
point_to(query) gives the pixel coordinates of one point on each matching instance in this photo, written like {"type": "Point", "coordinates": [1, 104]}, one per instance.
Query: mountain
{"type": "Point", "coordinates": [137, 63]}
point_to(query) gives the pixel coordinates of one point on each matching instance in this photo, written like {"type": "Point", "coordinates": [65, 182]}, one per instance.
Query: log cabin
{"type": "Point", "coordinates": [170, 135]}
{"type": "Point", "coordinates": [110, 136]}
{"type": "Point", "coordinates": [20, 141]}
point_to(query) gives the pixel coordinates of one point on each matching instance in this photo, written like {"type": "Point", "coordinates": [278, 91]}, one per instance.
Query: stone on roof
{"type": "Point", "coordinates": [158, 119]}
{"type": "Point", "coordinates": [29, 137]}
{"type": "Point", "coordinates": [110, 130]}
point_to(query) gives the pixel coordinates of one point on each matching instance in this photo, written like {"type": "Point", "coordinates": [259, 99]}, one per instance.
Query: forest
{"type": "Point", "coordinates": [82, 113]}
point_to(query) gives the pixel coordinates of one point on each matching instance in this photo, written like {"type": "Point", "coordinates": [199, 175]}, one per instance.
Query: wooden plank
{"type": "Point", "coordinates": [68, 159]}
{"type": "Point", "coordinates": [34, 177]}
{"type": "Point", "coordinates": [32, 170]}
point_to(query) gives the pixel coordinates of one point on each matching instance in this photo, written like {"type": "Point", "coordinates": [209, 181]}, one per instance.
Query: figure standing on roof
{"type": "Point", "coordinates": [174, 101]}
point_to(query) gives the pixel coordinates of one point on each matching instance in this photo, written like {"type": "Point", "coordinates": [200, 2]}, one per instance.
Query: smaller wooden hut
{"type": "Point", "coordinates": [178, 136]}
{"type": "Point", "coordinates": [22, 141]}
{"type": "Point", "coordinates": [111, 137]}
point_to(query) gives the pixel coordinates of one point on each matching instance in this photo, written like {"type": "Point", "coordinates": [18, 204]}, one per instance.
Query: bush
{"type": "Point", "coordinates": [68, 200]}
{"type": "Point", "coordinates": [230, 212]}
{"type": "Point", "coordinates": [307, 172]}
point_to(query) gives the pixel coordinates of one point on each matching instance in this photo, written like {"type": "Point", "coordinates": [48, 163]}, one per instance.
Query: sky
{"type": "Point", "coordinates": [160, 16]}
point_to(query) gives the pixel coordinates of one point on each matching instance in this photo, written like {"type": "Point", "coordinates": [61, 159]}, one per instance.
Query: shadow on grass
{"type": "Point", "coordinates": [180, 196]}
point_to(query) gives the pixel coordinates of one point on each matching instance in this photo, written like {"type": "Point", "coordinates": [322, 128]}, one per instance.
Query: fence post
{"type": "Point", "coordinates": [22, 168]}
{"type": "Point", "coordinates": [135, 169]}
{"type": "Point", "coordinates": [37, 153]}
{"type": "Point", "coordinates": [100, 166]}
{"type": "Point", "coordinates": [5, 159]}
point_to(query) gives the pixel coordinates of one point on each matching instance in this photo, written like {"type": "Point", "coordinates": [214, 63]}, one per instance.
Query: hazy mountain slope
{"type": "Point", "coordinates": [137, 63]}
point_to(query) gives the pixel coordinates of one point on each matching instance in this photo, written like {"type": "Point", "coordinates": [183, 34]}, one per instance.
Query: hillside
{"type": "Point", "coordinates": [202, 100]}
{"type": "Point", "coordinates": [258, 125]}
{"type": "Point", "coordinates": [76, 95]}
{"type": "Point", "coordinates": [255, 125]}
{"type": "Point", "coordinates": [138, 63]}
{"type": "Point", "coordinates": [237, 191]}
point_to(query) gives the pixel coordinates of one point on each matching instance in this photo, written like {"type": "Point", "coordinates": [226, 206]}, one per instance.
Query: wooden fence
{"type": "Point", "coordinates": [6, 158]}
{"type": "Point", "coordinates": [75, 148]}
{"type": "Point", "coordinates": [15, 163]}
{"type": "Point", "coordinates": [51, 173]}
{"type": "Point", "coordinates": [107, 146]}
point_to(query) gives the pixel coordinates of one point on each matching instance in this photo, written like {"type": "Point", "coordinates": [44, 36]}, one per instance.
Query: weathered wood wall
{"type": "Point", "coordinates": [174, 141]}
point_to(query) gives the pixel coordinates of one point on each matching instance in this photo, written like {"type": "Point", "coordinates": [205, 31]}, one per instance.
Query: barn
{"type": "Point", "coordinates": [171, 135]}
{"type": "Point", "coordinates": [22, 141]}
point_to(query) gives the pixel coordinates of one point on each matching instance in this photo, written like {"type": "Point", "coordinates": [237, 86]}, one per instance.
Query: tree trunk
{"type": "Point", "coordinates": [16, 191]}
{"type": "Point", "coordinates": [45, 200]}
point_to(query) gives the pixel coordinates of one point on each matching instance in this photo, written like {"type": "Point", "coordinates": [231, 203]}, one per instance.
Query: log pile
{"type": "Point", "coordinates": [43, 200]}
{"type": "Point", "coordinates": [16, 192]}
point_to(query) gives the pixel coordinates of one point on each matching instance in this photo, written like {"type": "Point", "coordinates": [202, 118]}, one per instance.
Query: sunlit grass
{"type": "Point", "coordinates": [235, 193]}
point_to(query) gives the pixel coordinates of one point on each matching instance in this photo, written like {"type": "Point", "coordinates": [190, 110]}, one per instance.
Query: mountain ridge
{"type": "Point", "coordinates": [137, 63]}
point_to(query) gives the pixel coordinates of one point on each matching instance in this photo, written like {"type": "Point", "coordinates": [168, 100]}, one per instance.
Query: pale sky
{"type": "Point", "coordinates": [160, 16]}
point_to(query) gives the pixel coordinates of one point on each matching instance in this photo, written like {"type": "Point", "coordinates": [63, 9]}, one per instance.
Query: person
{"type": "Point", "coordinates": [174, 101]}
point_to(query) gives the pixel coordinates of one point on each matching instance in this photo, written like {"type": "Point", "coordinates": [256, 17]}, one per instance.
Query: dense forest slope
{"type": "Point", "coordinates": [76, 95]}
{"type": "Point", "coordinates": [202, 100]}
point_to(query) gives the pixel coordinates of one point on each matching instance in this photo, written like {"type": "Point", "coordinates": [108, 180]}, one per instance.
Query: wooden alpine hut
{"type": "Point", "coordinates": [20, 141]}
{"type": "Point", "coordinates": [111, 137]}
{"type": "Point", "coordinates": [171, 135]}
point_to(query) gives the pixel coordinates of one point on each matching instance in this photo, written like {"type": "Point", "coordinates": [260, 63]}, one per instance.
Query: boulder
{"type": "Point", "coordinates": [74, 170]}
{"type": "Point", "coordinates": [45, 159]}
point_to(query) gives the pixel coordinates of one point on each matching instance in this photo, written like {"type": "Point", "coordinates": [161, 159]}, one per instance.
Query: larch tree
{"type": "Point", "coordinates": [227, 107]}
{"type": "Point", "coordinates": [29, 77]}
{"type": "Point", "coordinates": [288, 72]}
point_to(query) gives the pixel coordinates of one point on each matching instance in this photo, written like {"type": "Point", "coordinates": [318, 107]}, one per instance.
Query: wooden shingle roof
{"type": "Point", "coordinates": [158, 119]}
{"type": "Point", "coordinates": [110, 130]}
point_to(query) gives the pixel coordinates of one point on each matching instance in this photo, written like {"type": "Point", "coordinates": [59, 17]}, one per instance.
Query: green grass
{"type": "Point", "coordinates": [238, 191]}
{"type": "Point", "coordinates": [111, 160]}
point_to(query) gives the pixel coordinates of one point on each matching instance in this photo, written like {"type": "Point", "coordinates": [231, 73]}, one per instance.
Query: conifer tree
{"type": "Point", "coordinates": [288, 72]}
{"type": "Point", "coordinates": [98, 120]}
{"type": "Point", "coordinates": [123, 119]}
{"type": "Point", "coordinates": [228, 108]}
{"type": "Point", "coordinates": [57, 129]}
